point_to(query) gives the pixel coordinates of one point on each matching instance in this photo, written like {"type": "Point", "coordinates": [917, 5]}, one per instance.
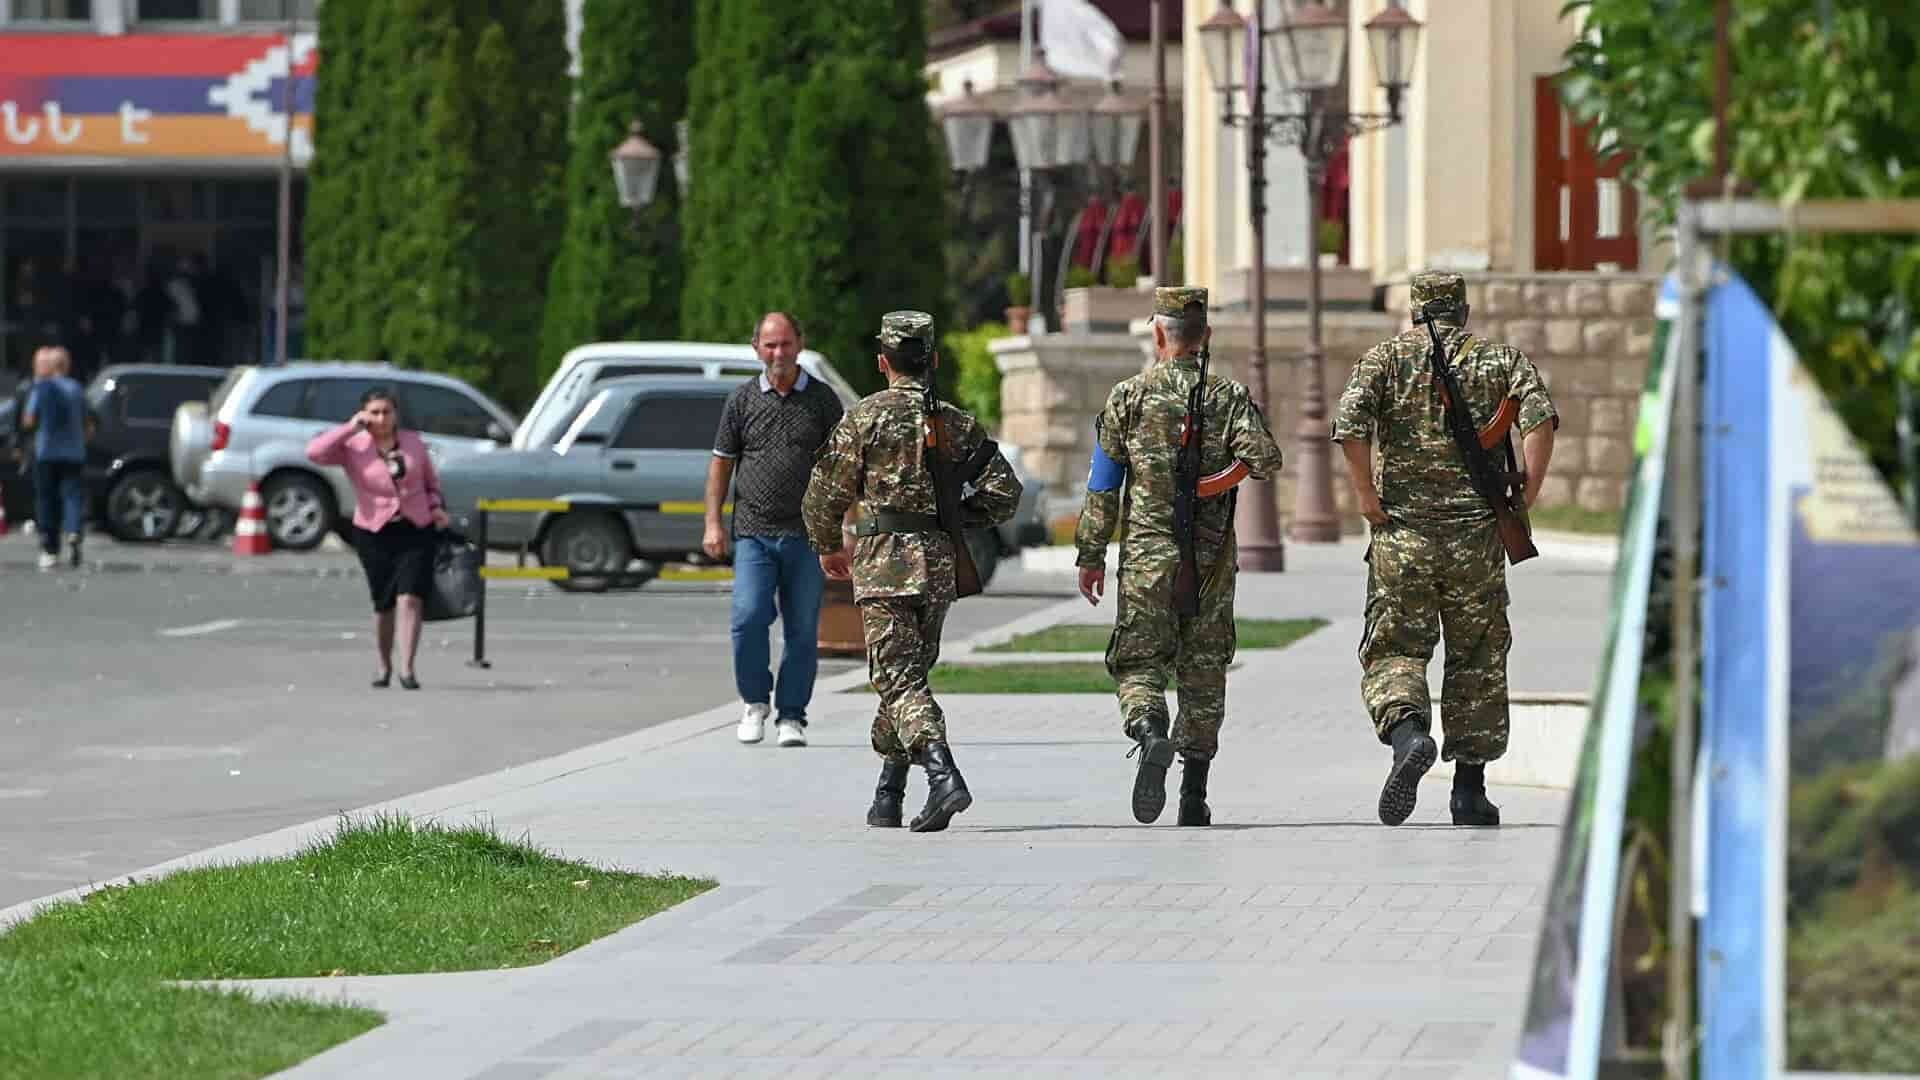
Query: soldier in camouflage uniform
{"type": "Point", "coordinates": [1131, 488]}
{"type": "Point", "coordinates": [1435, 564]}
{"type": "Point", "coordinates": [902, 565]}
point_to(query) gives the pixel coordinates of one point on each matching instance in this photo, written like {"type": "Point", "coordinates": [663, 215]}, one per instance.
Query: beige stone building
{"type": "Point", "coordinates": [1485, 175]}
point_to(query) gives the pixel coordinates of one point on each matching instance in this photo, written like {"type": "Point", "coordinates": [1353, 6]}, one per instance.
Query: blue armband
{"type": "Point", "coordinates": [1106, 473]}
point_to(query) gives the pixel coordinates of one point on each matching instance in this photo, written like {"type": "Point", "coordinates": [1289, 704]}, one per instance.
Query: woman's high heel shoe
{"type": "Point", "coordinates": [407, 683]}
{"type": "Point", "coordinates": [381, 682]}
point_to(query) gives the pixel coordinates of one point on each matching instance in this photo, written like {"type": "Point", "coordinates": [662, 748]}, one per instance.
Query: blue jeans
{"type": "Point", "coordinates": [766, 570]}
{"type": "Point", "coordinates": [60, 501]}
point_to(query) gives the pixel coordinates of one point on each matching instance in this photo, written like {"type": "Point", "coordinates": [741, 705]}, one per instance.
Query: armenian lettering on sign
{"type": "Point", "coordinates": [193, 96]}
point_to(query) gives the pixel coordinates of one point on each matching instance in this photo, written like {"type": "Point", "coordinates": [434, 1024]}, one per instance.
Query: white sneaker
{"type": "Point", "coordinates": [791, 734]}
{"type": "Point", "coordinates": [753, 724]}
{"type": "Point", "coordinates": [49, 562]}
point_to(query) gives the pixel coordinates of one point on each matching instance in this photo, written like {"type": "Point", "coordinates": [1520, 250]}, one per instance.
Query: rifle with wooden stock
{"type": "Point", "coordinates": [1186, 496]}
{"type": "Point", "coordinates": [1504, 489]}
{"type": "Point", "coordinates": [948, 476]}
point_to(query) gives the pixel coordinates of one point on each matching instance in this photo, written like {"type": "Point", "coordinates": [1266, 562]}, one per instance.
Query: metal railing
{"type": "Point", "coordinates": [521, 571]}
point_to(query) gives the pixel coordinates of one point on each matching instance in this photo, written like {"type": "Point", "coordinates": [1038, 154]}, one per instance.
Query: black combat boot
{"type": "Point", "coordinates": [1150, 779]}
{"type": "Point", "coordinates": [1413, 754]}
{"type": "Point", "coordinates": [1193, 791]}
{"type": "Point", "coordinates": [889, 795]}
{"type": "Point", "coordinates": [1470, 805]}
{"type": "Point", "coordinates": [947, 793]}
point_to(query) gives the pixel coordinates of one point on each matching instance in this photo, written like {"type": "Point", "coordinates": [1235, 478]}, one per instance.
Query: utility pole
{"type": "Point", "coordinates": [284, 256]}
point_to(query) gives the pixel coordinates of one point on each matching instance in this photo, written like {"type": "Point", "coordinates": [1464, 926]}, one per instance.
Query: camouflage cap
{"type": "Point", "coordinates": [1176, 299]}
{"type": "Point", "coordinates": [901, 326]}
{"type": "Point", "coordinates": [1436, 291]}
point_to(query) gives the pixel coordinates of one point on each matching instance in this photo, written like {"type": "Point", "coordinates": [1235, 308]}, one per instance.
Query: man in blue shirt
{"type": "Point", "coordinates": [57, 415]}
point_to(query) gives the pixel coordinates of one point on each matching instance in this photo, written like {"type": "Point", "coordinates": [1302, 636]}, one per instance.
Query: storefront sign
{"type": "Point", "coordinates": [188, 97]}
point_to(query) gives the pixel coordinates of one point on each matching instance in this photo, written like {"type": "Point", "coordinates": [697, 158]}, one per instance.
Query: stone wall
{"type": "Point", "coordinates": [1590, 335]}
{"type": "Point", "coordinates": [1051, 388]}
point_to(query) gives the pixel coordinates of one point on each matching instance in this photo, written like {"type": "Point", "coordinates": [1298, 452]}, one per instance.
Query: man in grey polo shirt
{"type": "Point", "coordinates": [770, 430]}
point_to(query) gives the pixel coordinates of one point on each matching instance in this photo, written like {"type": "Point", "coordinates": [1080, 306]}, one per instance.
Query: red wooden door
{"type": "Point", "coordinates": [1584, 213]}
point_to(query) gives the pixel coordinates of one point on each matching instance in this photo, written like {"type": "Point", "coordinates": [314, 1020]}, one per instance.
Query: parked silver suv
{"type": "Point", "coordinates": [258, 423]}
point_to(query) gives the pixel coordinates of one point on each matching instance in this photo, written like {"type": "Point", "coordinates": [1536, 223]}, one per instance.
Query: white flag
{"type": "Point", "coordinates": [1081, 42]}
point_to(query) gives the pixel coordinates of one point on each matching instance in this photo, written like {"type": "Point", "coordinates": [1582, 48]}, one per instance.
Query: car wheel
{"type": "Point", "coordinates": [986, 554]}
{"type": "Point", "coordinates": [143, 506]}
{"type": "Point", "coordinates": [299, 511]}
{"type": "Point", "coordinates": [590, 546]}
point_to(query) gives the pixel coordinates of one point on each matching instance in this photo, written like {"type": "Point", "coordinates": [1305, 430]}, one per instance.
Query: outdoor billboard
{"type": "Point", "coordinates": [1810, 960]}
{"type": "Point", "coordinates": [150, 98]}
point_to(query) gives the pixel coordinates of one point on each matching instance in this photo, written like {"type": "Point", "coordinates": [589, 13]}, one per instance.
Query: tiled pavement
{"type": "Point", "coordinates": [1046, 934]}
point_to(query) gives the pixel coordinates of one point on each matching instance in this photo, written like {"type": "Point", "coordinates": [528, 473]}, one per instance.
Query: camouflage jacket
{"type": "Point", "coordinates": [876, 457]}
{"type": "Point", "coordinates": [1140, 430]}
{"type": "Point", "coordinates": [1394, 400]}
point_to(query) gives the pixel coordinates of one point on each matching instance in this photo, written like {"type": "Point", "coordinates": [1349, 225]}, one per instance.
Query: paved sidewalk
{"type": "Point", "coordinates": [1045, 934]}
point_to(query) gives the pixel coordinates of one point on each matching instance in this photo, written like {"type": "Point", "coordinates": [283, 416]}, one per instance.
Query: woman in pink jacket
{"type": "Point", "coordinates": [398, 506]}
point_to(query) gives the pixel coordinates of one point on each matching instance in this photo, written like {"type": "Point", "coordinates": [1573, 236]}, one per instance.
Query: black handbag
{"type": "Point", "coordinates": [456, 578]}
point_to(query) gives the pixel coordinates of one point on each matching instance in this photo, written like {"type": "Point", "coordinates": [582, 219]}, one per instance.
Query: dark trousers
{"type": "Point", "coordinates": [60, 501]}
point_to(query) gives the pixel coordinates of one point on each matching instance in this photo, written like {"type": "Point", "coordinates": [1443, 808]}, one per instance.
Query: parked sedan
{"type": "Point", "coordinates": [643, 440]}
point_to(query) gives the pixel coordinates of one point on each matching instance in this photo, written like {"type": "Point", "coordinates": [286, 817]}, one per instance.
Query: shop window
{"type": "Point", "coordinates": [178, 200]}
{"type": "Point", "coordinates": [178, 10]}
{"type": "Point", "coordinates": [53, 10]}
{"type": "Point", "coordinates": [101, 201]}
{"type": "Point", "coordinates": [36, 200]}
{"type": "Point", "coordinates": [276, 10]}
{"type": "Point", "coordinates": [249, 200]}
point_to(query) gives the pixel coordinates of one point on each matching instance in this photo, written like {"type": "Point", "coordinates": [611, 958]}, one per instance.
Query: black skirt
{"type": "Point", "coordinates": [398, 560]}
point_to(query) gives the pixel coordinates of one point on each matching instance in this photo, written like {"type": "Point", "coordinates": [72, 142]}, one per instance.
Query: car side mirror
{"type": "Point", "coordinates": [498, 433]}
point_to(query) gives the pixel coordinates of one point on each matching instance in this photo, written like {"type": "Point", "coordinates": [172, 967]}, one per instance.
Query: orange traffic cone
{"type": "Point", "coordinates": [250, 532]}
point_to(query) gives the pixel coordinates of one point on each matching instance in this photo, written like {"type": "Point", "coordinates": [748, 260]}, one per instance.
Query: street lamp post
{"type": "Point", "coordinates": [1310, 50]}
{"type": "Point", "coordinates": [636, 171]}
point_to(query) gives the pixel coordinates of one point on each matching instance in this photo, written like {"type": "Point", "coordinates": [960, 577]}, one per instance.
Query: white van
{"type": "Point", "coordinates": [572, 385]}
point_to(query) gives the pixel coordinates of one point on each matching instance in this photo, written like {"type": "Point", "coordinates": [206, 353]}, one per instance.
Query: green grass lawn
{"type": "Point", "coordinates": [81, 991]}
{"type": "Point", "coordinates": [1092, 637]}
{"type": "Point", "coordinates": [1575, 519]}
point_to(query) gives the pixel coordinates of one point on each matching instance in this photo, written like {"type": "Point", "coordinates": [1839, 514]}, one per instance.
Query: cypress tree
{"type": "Point", "coordinates": [432, 244]}
{"type": "Point", "coordinates": [817, 184]}
{"type": "Point", "coordinates": [864, 206]}
{"type": "Point", "coordinates": [751, 57]}
{"type": "Point", "coordinates": [341, 225]}
{"type": "Point", "coordinates": [611, 280]}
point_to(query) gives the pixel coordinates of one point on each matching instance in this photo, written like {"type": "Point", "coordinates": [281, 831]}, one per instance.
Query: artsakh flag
{"type": "Point", "coordinates": [192, 96]}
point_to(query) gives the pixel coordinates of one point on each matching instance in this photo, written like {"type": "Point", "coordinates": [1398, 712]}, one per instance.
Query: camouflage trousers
{"type": "Point", "coordinates": [903, 641]}
{"type": "Point", "coordinates": [1423, 585]}
{"type": "Point", "coordinates": [1150, 642]}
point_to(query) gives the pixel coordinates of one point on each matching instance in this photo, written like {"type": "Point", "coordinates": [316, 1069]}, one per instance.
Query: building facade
{"type": "Point", "coordinates": [141, 143]}
{"type": "Point", "coordinates": [1486, 174]}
